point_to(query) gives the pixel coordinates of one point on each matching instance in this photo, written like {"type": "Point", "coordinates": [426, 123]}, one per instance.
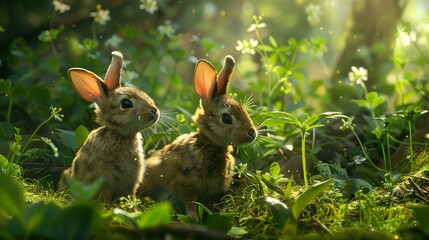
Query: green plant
{"type": "Point", "coordinates": [283, 78]}
{"type": "Point", "coordinates": [287, 217]}
{"type": "Point", "coordinates": [280, 118]}
{"type": "Point", "coordinates": [218, 221]}
{"type": "Point", "coordinates": [348, 124]}
{"type": "Point", "coordinates": [17, 150]}
{"type": "Point", "coordinates": [382, 134]}
{"type": "Point", "coordinates": [408, 115]}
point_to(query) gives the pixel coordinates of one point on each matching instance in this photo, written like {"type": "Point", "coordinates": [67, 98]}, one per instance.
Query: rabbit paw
{"type": "Point", "coordinates": [194, 216]}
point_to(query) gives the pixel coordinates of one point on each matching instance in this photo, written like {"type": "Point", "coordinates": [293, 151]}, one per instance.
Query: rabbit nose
{"type": "Point", "coordinates": [251, 134]}
{"type": "Point", "coordinates": [154, 112]}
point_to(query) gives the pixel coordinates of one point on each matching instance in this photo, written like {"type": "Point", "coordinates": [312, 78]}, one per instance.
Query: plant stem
{"type": "Point", "coordinates": [384, 157]}
{"type": "Point", "coordinates": [363, 149]}
{"type": "Point", "coordinates": [388, 154]}
{"type": "Point", "coordinates": [9, 107]}
{"type": "Point", "coordinates": [94, 34]}
{"type": "Point", "coordinates": [411, 144]}
{"type": "Point", "coordinates": [303, 158]}
{"type": "Point", "coordinates": [35, 131]}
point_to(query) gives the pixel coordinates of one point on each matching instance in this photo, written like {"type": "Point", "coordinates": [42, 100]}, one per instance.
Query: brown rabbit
{"type": "Point", "coordinates": [200, 164]}
{"type": "Point", "coordinates": [113, 151]}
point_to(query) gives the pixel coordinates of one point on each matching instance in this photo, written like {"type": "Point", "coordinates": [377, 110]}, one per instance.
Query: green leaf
{"type": "Point", "coordinates": [11, 195]}
{"type": "Point", "coordinates": [272, 186]}
{"type": "Point", "coordinates": [81, 134]}
{"type": "Point", "coordinates": [378, 133]}
{"type": "Point", "coordinates": [280, 115]}
{"type": "Point", "coordinates": [362, 103]}
{"type": "Point", "coordinates": [312, 120]}
{"type": "Point", "coordinates": [67, 138]}
{"type": "Point", "coordinates": [14, 170]}
{"type": "Point", "coordinates": [89, 44]}
{"type": "Point", "coordinates": [237, 231]}
{"type": "Point", "coordinates": [124, 217]}
{"type": "Point", "coordinates": [221, 221]}
{"type": "Point", "coordinates": [50, 221]}
{"type": "Point", "coordinates": [421, 214]}
{"type": "Point", "coordinates": [208, 44]}
{"type": "Point", "coordinates": [309, 195]}
{"type": "Point", "coordinates": [315, 126]}
{"type": "Point", "coordinates": [48, 36]}
{"type": "Point", "coordinates": [159, 215]}
{"type": "Point", "coordinates": [277, 122]}
{"type": "Point", "coordinates": [265, 48]}
{"type": "Point", "coordinates": [374, 99]}
{"type": "Point", "coordinates": [5, 86]}
{"type": "Point", "coordinates": [273, 41]}
{"type": "Point", "coordinates": [77, 221]}
{"type": "Point", "coordinates": [84, 191]}
{"type": "Point", "coordinates": [288, 189]}
{"type": "Point", "coordinates": [280, 211]}
{"type": "Point", "coordinates": [185, 219]}
{"type": "Point", "coordinates": [275, 169]}
{"type": "Point", "coordinates": [4, 163]}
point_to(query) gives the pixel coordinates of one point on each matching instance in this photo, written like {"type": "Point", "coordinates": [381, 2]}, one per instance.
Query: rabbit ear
{"type": "Point", "coordinates": [205, 82]}
{"type": "Point", "coordinates": [87, 84]}
{"type": "Point", "coordinates": [224, 75]}
{"type": "Point", "coordinates": [113, 75]}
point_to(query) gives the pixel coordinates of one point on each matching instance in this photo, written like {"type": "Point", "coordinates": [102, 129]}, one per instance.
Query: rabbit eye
{"type": "Point", "coordinates": [226, 118]}
{"type": "Point", "coordinates": [126, 103]}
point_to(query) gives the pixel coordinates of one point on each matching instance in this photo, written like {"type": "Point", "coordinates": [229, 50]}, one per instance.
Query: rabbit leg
{"type": "Point", "coordinates": [64, 180]}
{"type": "Point", "coordinates": [192, 210]}
{"type": "Point", "coordinates": [105, 194]}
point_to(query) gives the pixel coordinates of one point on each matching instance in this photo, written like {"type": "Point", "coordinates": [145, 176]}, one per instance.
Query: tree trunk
{"type": "Point", "coordinates": [370, 44]}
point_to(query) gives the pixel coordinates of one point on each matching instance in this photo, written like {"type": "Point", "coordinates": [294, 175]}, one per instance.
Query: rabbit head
{"type": "Point", "coordinates": [125, 110]}
{"type": "Point", "coordinates": [222, 119]}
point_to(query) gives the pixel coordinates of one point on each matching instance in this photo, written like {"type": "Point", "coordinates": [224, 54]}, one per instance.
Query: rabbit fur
{"type": "Point", "coordinates": [199, 165]}
{"type": "Point", "coordinates": [113, 151]}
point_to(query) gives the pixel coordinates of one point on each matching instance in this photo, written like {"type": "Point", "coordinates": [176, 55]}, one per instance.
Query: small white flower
{"type": "Point", "coordinates": [253, 42]}
{"type": "Point", "coordinates": [113, 41]}
{"type": "Point", "coordinates": [149, 6]}
{"type": "Point", "coordinates": [358, 75]}
{"type": "Point", "coordinates": [166, 29]}
{"type": "Point", "coordinates": [240, 46]}
{"type": "Point", "coordinates": [101, 16]}
{"type": "Point", "coordinates": [406, 38]}
{"type": "Point", "coordinates": [56, 112]}
{"type": "Point", "coordinates": [60, 7]}
{"type": "Point", "coordinates": [314, 12]}
{"type": "Point", "coordinates": [247, 46]}
{"type": "Point", "coordinates": [255, 26]}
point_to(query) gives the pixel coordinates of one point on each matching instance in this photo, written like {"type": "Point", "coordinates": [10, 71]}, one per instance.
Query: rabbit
{"type": "Point", "coordinates": [113, 151]}
{"type": "Point", "coordinates": [200, 164]}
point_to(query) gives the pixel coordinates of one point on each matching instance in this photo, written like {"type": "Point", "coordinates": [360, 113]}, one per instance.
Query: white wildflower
{"type": "Point", "coordinates": [101, 16]}
{"type": "Point", "coordinates": [149, 6]}
{"type": "Point", "coordinates": [406, 38]}
{"type": "Point", "coordinates": [255, 26]}
{"type": "Point", "coordinates": [358, 75]}
{"type": "Point", "coordinates": [113, 41]}
{"type": "Point", "coordinates": [60, 7]}
{"type": "Point", "coordinates": [166, 30]}
{"type": "Point", "coordinates": [314, 12]}
{"type": "Point", "coordinates": [247, 46]}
